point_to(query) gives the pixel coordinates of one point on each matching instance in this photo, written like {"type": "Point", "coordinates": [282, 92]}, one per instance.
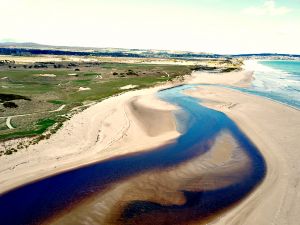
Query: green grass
{"type": "Point", "coordinates": [3, 125]}
{"type": "Point", "coordinates": [41, 127]}
{"type": "Point", "coordinates": [91, 74]}
{"type": "Point", "coordinates": [21, 74]}
{"type": "Point", "coordinates": [56, 102]}
{"type": "Point", "coordinates": [45, 123]}
{"type": "Point", "coordinates": [109, 88]}
{"type": "Point", "coordinates": [47, 93]}
{"type": "Point", "coordinates": [82, 82]}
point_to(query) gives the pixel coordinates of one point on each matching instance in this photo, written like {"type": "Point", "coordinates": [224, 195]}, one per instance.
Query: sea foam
{"type": "Point", "coordinates": [277, 80]}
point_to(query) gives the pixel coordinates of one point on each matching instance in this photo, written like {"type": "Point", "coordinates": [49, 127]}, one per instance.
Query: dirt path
{"type": "Point", "coordinates": [8, 124]}
{"type": "Point", "coordinates": [9, 118]}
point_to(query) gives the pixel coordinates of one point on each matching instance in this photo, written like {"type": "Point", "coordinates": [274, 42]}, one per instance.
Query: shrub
{"type": "Point", "coordinates": [131, 72]}
{"type": "Point", "coordinates": [8, 152]}
{"type": "Point", "coordinates": [10, 105]}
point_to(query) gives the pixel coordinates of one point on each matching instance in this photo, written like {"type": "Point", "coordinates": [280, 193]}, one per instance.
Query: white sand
{"type": "Point", "coordinates": [45, 75]}
{"type": "Point", "coordinates": [84, 89]}
{"type": "Point", "coordinates": [240, 79]}
{"type": "Point", "coordinates": [130, 86]}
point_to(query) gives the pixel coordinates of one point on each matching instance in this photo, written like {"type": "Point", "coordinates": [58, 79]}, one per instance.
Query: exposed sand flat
{"type": "Point", "coordinates": [204, 172]}
{"type": "Point", "coordinates": [275, 129]}
{"type": "Point", "coordinates": [106, 129]}
{"type": "Point", "coordinates": [241, 78]}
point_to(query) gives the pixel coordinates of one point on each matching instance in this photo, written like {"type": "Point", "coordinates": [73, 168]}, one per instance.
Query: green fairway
{"type": "Point", "coordinates": [38, 93]}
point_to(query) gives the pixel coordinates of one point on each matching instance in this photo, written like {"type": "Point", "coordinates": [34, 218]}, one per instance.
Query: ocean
{"type": "Point", "coordinates": [278, 80]}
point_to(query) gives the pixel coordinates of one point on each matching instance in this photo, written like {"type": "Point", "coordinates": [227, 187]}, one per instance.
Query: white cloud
{"type": "Point", "coordinates": [268, 8]}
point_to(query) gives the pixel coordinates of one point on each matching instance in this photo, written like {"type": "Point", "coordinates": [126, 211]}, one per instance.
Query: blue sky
{"type": "Point", "coordinates": [218, 26]}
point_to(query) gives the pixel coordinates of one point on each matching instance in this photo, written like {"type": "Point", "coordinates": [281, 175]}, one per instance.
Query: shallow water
{"type": "Point", "coordinates": [37, 202]}
{"type": "Point", "coordinates": [276, 79]}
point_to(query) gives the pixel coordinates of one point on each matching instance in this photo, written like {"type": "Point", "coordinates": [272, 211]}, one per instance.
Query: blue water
{"type": "Point", "coordinates": [278, 80]}
{"type": "Point", "coordinates": [38, 201]}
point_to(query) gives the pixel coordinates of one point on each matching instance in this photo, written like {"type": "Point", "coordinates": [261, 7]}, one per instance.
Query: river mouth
{"type": "Point", "coordinates": [211, 166]}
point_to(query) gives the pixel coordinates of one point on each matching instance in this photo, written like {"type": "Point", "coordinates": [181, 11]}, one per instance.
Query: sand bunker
{"type": "Point", "coordinates": [46, 75]}
{"type": "Point", "coordinates": [72, 74]}
{"type": "Point", "coordinates": [84, 89]}
{"type": "Point", "coordinates": [130, 86]}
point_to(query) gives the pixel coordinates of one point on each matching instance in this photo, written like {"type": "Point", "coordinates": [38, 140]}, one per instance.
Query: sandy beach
{"type": "Point", "coordinates": [116, 126]}
{"type": "Point", "coordinates": [137, 121]}
{"type": "Point", "coordinates": [274, 128]}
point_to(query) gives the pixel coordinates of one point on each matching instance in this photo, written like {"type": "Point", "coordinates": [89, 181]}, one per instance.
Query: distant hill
{"type": "Point", "coordinates": [22, 45]}
{"type": "Point", "coordinates": [30, 45]}
{"type": "Point", "coordinates": [13, 48]}
{"type": "Point", "coordinates": [28, 48]}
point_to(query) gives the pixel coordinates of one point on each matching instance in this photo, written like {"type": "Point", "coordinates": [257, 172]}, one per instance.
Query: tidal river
{"type": "Point", "coordinates": [210, 168]}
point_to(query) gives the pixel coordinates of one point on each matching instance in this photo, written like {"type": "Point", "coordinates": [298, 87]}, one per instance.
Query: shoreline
{"type": "Point", "coordinates": [264, 97]}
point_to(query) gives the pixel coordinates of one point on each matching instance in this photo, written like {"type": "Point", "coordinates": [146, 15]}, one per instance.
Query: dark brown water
{"type": "Point", "coordinates": [44, 199]}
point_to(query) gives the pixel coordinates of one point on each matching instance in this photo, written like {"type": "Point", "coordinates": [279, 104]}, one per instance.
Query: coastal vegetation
{"type": "Point", "coordinates": [39, 100]}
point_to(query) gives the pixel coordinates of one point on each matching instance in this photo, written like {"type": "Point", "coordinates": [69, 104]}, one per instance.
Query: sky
{"type": "Point", "coordinates": [215, 26]}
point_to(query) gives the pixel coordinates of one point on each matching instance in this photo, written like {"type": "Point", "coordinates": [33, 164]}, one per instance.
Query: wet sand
{"type": "Point", "coordinates": [275, 129]}
{"type": "Point", "coordinates": [221, 166]}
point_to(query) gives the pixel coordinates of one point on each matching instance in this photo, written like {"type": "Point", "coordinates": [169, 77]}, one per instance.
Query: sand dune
{"type": "Point", "coordinates": [149, 118]}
